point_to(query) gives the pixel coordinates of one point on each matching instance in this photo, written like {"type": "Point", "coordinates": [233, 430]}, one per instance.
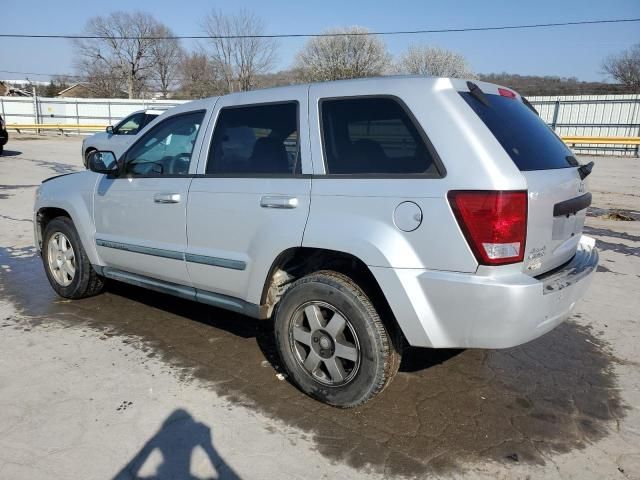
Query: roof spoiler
{"type": "Point", "coordinates": [478, 94]}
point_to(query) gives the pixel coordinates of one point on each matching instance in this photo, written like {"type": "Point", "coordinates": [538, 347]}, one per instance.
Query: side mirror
{"type": "Point", "coordinates": [109, 129]}
{"type": "Point", "coordinates": [103, 162]}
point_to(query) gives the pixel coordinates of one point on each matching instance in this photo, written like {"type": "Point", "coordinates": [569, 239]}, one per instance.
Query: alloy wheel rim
{"type": "Point", "coordinates": [324, 343]}
{"type": "Point", "coordinates": [61, 259]}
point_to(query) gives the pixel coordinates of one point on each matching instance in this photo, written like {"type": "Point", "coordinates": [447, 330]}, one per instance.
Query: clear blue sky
{"type": "Point", "coordinates": [565, 51]}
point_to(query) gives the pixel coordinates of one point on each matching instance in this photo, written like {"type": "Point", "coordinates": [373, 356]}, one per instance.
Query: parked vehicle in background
{"type": "Point", "coordinates": [4, 135]}
{"type": "Point", "coordinates": [443, 214]}
{"type": "Point", "coordinates": [117, 138]}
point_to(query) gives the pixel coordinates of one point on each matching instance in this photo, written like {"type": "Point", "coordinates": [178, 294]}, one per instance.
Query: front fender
{"type": "Point", "coordinates": [74, 194]}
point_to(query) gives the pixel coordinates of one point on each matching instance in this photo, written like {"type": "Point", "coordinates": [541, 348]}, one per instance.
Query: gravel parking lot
{"type": "Point", "coordinates": [134, 384]}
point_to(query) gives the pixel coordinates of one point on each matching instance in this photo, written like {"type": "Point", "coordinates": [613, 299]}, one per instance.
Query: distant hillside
{"type": "Point", "coordinates": [531, 85]}
{"type": "Point", "coordinates": [525, 84]}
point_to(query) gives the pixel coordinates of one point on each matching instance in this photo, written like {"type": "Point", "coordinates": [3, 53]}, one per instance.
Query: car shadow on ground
{"type": "Point", "coordinates": [523, 404]}
{"type": "Point", "coordinates": [234, 323]}
{"type": "Point", "coordinates": [176, 441]}
{"type": "Point", "coordinates": [10, 153]}
{"type": "Point", "coordinates": [413, 359]}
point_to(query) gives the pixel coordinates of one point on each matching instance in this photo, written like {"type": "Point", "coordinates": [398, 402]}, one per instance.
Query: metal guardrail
{"type": "Point", "coordinates": [60, 127]}
{"type": "Point", "coordinates": [51, 126]}
{"type": "Point", "coordinates": [574, 140]}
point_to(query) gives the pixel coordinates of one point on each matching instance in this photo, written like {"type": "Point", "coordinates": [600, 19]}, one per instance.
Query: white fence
{"type": "Point", "coordinates": [593, 115]}
{"type": "Point", "coordinates": [74, 111]}
{"type": "Point", "coordinates": [583, 115]}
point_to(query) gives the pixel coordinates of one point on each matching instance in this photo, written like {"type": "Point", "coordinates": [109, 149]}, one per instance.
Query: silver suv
{"type": "Point", "coordinates": [118, 138]}
{"type": "Point", "coordinates": [360, 215]}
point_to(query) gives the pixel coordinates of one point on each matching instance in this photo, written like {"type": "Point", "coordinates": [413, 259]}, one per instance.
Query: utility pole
{"type": "Point", "coordinates": [34, 96]}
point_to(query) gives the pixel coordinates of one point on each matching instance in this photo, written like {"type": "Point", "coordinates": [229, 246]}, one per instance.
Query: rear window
{"type": "Point", "coordinates": [530, 143]}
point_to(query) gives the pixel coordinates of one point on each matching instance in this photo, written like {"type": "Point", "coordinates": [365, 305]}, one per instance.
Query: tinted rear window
{"type": "Point", "coordinates": [373, 136]}
{"type": "Point", "coordinates": [530, 143]}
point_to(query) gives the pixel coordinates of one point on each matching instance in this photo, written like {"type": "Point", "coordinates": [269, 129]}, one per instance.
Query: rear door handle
{"type": "Point", "coordinates": [278, 201]}
{"type": "Point", "coordinates": [166, 198]}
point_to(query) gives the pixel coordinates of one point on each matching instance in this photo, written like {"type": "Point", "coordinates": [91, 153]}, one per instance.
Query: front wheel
{"type": "Point", "coordinates": [333, 342]}
{"type": "Point", "coordinates": [66, 263]}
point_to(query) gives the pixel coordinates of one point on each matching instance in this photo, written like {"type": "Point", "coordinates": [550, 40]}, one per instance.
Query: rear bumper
{"type": "Point", "coordinates": [455, 310]}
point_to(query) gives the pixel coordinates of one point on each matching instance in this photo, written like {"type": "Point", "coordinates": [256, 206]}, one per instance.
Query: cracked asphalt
{"type": "Point", "coordinates": [135, 384]}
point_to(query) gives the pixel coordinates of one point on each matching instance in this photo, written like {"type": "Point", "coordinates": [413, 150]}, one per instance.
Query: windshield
{"type": "Point", "coordinates": [530, 143]}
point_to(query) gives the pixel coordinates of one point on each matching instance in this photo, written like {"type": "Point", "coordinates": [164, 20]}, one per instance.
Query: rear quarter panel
{"type": "Point", "coordinates": [356, 214]}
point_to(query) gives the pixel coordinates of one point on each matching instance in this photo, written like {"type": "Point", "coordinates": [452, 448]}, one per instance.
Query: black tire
{"type": "Point", "coordinates": [86, 282]}
{"type": "Point", "coordinates": [86, 156]}
{"type": "Point", "coordinates": [1, 149]}
{"type": "Point", "coordinates": [379, 355]}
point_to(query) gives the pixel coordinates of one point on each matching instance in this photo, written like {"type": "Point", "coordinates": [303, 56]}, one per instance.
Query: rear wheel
{"type": "Point", "coordinates": [66, 263]}
{"type": "Point", "coordinates": [333, 342]}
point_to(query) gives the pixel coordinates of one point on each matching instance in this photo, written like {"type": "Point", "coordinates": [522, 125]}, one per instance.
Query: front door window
{"type": "Point", "coordinates": [166, 149]}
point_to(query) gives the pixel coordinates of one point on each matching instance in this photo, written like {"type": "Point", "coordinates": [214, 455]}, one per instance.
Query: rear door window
{"type": "Point", "coordinates": [530, 143]}
{"type": "Point", "coordinates": [373, 136]}
{"type": "Point", "coordinates": [256, 139]}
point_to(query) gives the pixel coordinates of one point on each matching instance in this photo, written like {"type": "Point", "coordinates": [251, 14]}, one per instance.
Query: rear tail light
{"type": "Point", "coordinates": [493, 222]}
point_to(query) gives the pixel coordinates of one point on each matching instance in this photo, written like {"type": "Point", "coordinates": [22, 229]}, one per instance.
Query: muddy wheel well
{"type": "Point", "coordinates": [298, 262]}
{"type": "Point", "coordinates": [45, 215]}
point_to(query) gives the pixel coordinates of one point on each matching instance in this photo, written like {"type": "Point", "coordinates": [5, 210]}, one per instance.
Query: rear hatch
{"type": "Point", "coordinates": [557, 195]}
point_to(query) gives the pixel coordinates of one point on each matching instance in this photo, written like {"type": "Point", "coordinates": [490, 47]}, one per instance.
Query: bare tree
{"type": "Point", "coordinates": [166, 54]}
{"type": "Point", "coordinates": [340, 56]}
{"type": "Point", "coordinates": [129, 58]}
{"type": "Point", "coordinates": [198, 77]}
{"type": "Point", "coordinates": [236, 50]}
{"type": "Point", "coordinates": [100, 78]}
{"type": "Point", "coordinates": [280, 78]}
{"type": "Point", "coordinates": [433, 61]}
{"type": "Point", "coordinates": [625, 67]}
{"type": "Point", "coordinates": [57, 84]}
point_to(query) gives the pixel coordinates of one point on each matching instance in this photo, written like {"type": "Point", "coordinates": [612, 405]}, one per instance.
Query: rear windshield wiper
{"type": "Point", "coordinates": [572, 161]}
{"type": "Point", "coordinates": [528, 104]}
{"type": "Point", "coordinates": [478, 94]}
{"type": "Point", "coordinates": [585, 170]}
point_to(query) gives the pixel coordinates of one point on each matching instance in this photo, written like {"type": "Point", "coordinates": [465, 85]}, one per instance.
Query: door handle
{"type": "Point", "coordinates": [166, 198]}
{"type": "Point", "coordinates": [278, 201]}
